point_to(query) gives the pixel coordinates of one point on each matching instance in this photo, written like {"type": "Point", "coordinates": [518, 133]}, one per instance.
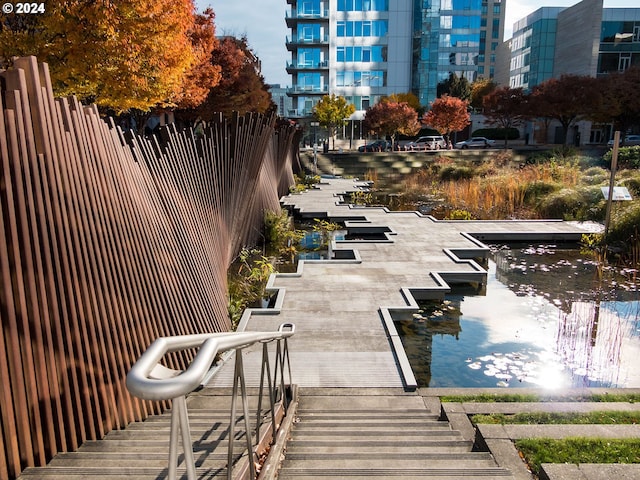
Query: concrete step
{"type": "Point", "coordinates": [372, 446]}
{"type": "Point", "coordinates": [400, 462]}
{"type": "Point", "coordinates": [395, 474]}
{"type": "Point", "coordinates": [383, 436]}
{"type": "Point", "coordinates": [122, 473]}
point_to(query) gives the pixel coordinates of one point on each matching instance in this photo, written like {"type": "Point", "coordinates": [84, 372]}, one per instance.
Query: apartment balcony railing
{"type": "Point", "coordinates": [319, 14]}
{"type": "Point", "coordinates": [306, 41]}
{"type": "Point", "coordinates": [150, 380]}
{"type": "Point", "coordinates": [308, 90]}
{"type": "Point", "coordinates": [292, 66]}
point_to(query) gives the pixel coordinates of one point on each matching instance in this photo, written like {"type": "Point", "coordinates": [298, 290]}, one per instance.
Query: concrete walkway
{"type": "Point", "coordinates": [342, 307]}
{"type": "Point", "coordinates": [349, 363]}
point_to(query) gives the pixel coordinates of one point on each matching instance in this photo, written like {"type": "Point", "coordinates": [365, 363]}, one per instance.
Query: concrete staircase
{"type": "Point", "coordinates": [140, 452]}
{"type": "Point", "coordinates": [378, 434]}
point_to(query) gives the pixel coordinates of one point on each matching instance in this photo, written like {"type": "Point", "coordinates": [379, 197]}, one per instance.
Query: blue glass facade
{"type": "Point", "coordinates": [365, 49]}
{"type": "Point", "coordinates": [450, 36]}
{"type": "Point", "coordinates": [533, 48]}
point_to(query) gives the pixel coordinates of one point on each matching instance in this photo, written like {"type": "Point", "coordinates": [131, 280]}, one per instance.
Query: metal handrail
{"type": "Point", "coordinates": [150, 380]}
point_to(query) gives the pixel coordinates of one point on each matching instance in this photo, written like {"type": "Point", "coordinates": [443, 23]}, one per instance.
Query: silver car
{"type": "Point", "coordinates": [478, 142]}
{"type": "Point", "coordinates": [628, 141]}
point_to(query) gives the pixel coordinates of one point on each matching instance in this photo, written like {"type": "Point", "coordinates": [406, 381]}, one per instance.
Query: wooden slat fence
{"type": "Point", "coordinates": [110, 240]}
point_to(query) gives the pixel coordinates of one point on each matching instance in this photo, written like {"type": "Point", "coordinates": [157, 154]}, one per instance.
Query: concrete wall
{"type": "Point", "coordinates": [578, 39]}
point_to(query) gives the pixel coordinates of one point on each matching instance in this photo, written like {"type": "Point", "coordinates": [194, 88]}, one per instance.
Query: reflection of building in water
{"type": "Point", "coordinates": [590, 340]}
{"type": "Point", "coordinates": [596, 317]}
{"type": "Point", "coordinates": [417, 334]}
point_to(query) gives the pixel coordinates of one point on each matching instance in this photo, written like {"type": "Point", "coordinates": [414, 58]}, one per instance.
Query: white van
{"type": "Point", "coordinates": [430, 142]}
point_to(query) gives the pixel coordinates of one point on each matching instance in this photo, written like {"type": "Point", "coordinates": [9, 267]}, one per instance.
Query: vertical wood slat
{"type": "Point", "coordinates": [110, 240]}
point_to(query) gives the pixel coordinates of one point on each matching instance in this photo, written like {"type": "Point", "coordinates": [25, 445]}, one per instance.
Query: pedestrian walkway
{"type": "Point", "coordinates": [343, 307]}
{"type": "Point", "coordinates": [360, 413]}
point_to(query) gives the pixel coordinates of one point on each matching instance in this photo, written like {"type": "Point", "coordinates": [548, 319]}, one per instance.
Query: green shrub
{"type": "Point", "coordinates": [628, 157]}
{"type": "Point", "coordinates": [595, 176]}
{"type": "Point", "coordinates": [625, 219]}
{"type": "Point", "coordinates": [456, 172]}
{"type": "Point", "coordinates": [563, 204]}
{"type": "Point", "coordinates": [497, 133]}
{"type": "Point", "coordinates": [632, 184]}
{"type": "Point", "coordinates": [535, 190]}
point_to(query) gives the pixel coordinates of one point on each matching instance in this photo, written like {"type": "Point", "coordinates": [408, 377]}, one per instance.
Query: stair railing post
{"type": "Point", "coordinates": [266, 370]}
{"type": "Point", "coordinates": [239, 381]}
{"type": "Point", "coordinates": [180, 421]}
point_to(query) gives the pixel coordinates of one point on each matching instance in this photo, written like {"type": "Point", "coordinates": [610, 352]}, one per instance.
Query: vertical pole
{"type": "Point", "coordinates": [614, 165]}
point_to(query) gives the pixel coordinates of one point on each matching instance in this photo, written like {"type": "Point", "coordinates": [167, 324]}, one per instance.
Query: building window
{"type": "Point", "coordinates": [374, 78]}
{"type": "Point", "coordinates": [375, 28]}
{"type": "Point", "coordinates": [363, 5]}
{"type": "Point", "coordinates": [624, 62]}
{"type": "Point", "coordinates": [496, 9]}
{"type": "Point", "coordinates": [374, 53]}
{"type": "Point", "coordinates": [309, 8]}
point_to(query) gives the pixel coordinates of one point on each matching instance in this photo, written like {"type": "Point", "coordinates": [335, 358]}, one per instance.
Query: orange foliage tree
{"type": "Point", "coordinates": [119, 54]}
{"type": "Point", "coordinates": [447, 115]}
{"type": "Point", "coordinates": [389, 118]}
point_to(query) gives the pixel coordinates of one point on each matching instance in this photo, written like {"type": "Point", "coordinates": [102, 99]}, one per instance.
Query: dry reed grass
{"type": "Point", "coordinates": [498, 189]}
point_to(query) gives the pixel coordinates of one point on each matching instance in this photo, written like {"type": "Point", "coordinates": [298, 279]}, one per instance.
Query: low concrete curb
{"type": "Point", "coordinates": [499, 439]}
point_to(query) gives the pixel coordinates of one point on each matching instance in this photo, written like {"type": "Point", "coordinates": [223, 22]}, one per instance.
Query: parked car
{"type": "Point", "coordinates": [377, 146]}
{"type": "Point", "coordinates": [429, 142]}
{"type": "Point", "coordinates": [628, 141]}
{"type": "Point", "coordinates": [479, 142]}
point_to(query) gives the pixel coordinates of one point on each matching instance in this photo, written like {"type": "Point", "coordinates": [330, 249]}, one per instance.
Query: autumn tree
{"type": "Point", "coordinates": [389, 118]}
{"type": "Point", "coordinates": [506, 108]}
{"type": "Point", "coordinates": [620, 100]}
{"type": "Point", "coordinates": [409, 98]}
{"type": "Point", "coordinates": [447, 115]}
{"type": "Point", "coordinates": [203, 74]}
{"type": "Point", "coordinates": [566, 99]}
{"type": "Point", "coordinates": [121, 55]}
{"type": "Point", "coordinates": [480, 89]}
{"type": "Point", "coordinates": [454, 86]}
{"type": "Point", "coordinates": [241, 88]}
{"type": "Point", "coordinates": [332, 113]}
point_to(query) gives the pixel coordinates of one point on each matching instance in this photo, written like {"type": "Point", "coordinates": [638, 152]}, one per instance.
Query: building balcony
{"type": "Point", "coordinates": [294, 67]}
{"type": "Point", "coordinates": [298, 90]}
{"type": "Point", "coordinates": [293, 18]}
{"type": "Point", "coordinates": [319, 41]}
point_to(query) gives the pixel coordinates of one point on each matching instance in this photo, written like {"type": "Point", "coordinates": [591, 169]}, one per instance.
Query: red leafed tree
{"type": "Point", "coordinates": [621, 102]}
{"type": "Point", "coordinates": [447, 115]}
{"type": "Point", "coordinates": [567, 99]}
{"type": "Point", "coordinates": [242, 88]}
{"type": "Point", "coordinates": [389, 118]}
{"type": "Point", "coordinates": [505, 107]}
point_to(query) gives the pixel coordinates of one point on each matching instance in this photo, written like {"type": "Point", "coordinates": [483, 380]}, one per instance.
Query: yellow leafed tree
{"type": "Point", "coordinates": [119, 54]}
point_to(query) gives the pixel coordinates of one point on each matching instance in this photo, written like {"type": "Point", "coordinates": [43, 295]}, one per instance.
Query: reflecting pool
{"type": "Point", "coordinates": [546, 318]}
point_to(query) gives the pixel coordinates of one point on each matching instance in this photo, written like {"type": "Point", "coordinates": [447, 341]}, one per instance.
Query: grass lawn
{"type": "Point", "coordinates": [578, 450]}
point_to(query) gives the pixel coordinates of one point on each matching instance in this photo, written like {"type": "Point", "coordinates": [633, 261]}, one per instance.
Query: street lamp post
{"type": "Point", "coordinates": [314, 125]}
{"type": "Point", "coordinates": [315, 147]}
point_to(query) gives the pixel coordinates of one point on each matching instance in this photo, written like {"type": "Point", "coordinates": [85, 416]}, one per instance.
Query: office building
{"type": "Point", "coordinates": [365, 49]}
{"type": "Point", "coordinates": [583, 39]}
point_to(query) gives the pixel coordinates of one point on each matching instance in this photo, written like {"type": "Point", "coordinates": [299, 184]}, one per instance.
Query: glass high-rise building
{"type": "Point", "coordinates": [365, 49]}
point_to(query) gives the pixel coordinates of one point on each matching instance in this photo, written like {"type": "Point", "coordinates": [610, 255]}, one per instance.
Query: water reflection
{"type": "Point", "coordinates": [546, 319]}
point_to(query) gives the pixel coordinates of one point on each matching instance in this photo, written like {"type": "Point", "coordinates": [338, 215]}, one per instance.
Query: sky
{"type": "Point", "coordinates": [262, 21]}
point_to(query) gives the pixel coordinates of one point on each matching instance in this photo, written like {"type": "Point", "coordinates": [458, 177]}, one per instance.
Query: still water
{"type": "Point", "coordinates": [544, 319]}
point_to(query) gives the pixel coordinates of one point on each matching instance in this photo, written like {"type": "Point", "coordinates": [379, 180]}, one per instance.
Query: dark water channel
{"type": "Point", "coordinates": [543, 320]}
